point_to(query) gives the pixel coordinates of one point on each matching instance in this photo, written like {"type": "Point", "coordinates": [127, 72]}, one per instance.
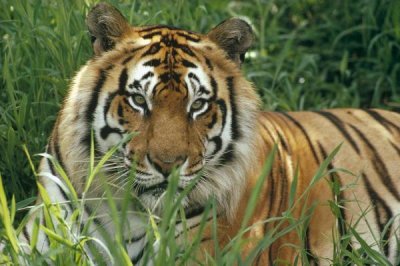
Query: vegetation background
{"type": "Point", "coordinates": [308, 54]}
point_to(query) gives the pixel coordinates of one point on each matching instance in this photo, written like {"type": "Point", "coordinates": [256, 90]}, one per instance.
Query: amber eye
{"type": "Point", "coordinates": [139, 99]}
{"type": "Point", "coordinates": [198, 104]}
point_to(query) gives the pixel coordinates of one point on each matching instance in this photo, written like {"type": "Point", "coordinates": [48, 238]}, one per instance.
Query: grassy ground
{"type": "Point", "coordinates": [308, 54]}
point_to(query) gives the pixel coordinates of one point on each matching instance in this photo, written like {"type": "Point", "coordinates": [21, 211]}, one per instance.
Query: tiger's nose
{"type": "Point", "coordinates": [165, 163]}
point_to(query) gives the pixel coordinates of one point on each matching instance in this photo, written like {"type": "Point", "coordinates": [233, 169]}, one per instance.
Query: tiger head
{"type": "Point", "coordinates": [180, 93]}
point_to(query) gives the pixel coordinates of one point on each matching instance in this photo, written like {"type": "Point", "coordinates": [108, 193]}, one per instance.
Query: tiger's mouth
{"type": "Point", "coordinates": [155, 190]}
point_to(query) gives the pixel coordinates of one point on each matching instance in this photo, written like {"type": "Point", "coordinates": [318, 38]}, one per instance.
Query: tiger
{"type": "Point", "coordinates": [192, 112]}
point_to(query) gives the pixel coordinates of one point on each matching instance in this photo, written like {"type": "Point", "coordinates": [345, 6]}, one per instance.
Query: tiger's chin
{"type": "Point", "coordinates": [156, 197]}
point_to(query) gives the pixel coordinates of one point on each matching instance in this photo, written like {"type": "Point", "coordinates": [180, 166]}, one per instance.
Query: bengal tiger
{"type": "Point", "coordinates": [190, 108]}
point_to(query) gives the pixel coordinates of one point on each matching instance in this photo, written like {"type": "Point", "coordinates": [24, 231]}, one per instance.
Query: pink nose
{"type": "Point", "coordinates": [165, 163]}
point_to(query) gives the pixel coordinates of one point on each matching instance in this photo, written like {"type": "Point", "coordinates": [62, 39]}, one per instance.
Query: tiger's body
{"type": "Point", "coordinates": [192, 109]}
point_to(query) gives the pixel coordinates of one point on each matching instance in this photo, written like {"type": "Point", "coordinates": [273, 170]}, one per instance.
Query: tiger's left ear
{"type": "Point", "coordinates": [106, 26]}
{"type": "Point", "coordinates": [235, 36]}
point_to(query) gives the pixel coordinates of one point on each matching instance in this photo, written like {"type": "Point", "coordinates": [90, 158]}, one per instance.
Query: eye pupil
{"type": "Point", "coordinates": [197, 104]}
{"type": "Point", "coordinates": [139, 99]}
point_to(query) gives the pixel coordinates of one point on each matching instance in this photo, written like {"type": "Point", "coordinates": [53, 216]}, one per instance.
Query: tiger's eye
{"type": "Point", "coordinates": [139, 99]}
{"type": "Point", "coordinates": [196, 105]}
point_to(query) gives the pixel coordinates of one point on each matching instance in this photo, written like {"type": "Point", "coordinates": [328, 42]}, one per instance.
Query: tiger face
{"type": "Point", "coordinates": [181, 95]}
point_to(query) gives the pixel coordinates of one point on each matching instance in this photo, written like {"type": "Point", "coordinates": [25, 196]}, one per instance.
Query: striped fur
{"type": "Point", "coordinates": [192, 109]}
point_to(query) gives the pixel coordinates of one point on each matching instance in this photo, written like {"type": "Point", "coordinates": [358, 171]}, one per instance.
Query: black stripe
{"type": "Point", "coordinates": [147, 75]}
{"type": "Point", "coordinates": [26, 234]}
{"type": "Point", "coordinates": [135, 238]}
{"type": "Point", "coordinates": [89, 115]}
{"type": "Point", "coordinates": [123, 78]}
{"type": "Point", "coordinates": [324, 156]}
{"type": "Point", "coordinates": [213, 121]}
{"type": "Point", "coordinates": [135, 84]}
{"type": "Point", "coordinates": [302, 129]}
{"type": "Point", "coordinates": [65, 196]}
{"type": "Point", "coordinates": [342, 219]}
{"type": "Point", "coordinates": [109, 67]}
{"type": "Point", "coordinates": [228, 155]}
{"type": "Point", "coordinates": [258, 258]}
{"type": "Point", "coordinates": [202, 90]}
{"type": "Point", "coordinates": [151, 34]}
{"type": "Point", "coordinates": [205, 239]}
{"type": "Point", "coordinates": [134, 50]}
{"type": "Point", "coordinates": [268, 132]}
{"type": "Point", "coordinates": [55, 147]}
{"type": "Point", "coordinates": [51, 168]}
{"type": "Point", "coordinates": [153, 49]}
{"type": "Point", "coordinates": [283, 142]}
{"type": "Point", "coordinates": [341, 127]}
{"type": "Point", "coordinates": [271, 193]}
{"type": "Point", "coordinates": [218, 144]}
{"type": "Point", "coordinates": [58, 154]}
{"type": "Point", "coordinates": [188, 37]}
{"type": "Point", "coordinates": [107, 130]}
{"type": "Point", "coordinates": [153, 63]}
{"type": "Point", "coordinates": [209, 64]}
{"type": "Point", "coordinates": [382, 212]}
{"type": "Point", "coordinates": [158, 27]}
{"type": "Point", "coordinates": [167, 76]}
{"type": "Point", "coordinates": [136, 258]}
{"type": "Point", "coordinates": [126, 60]}
{"type": "Point", "coordinates": [194, 226]}
{"type": "Point", "coordinates": [222, 107]}
{"type": "Point", "coordinates": [120, 110]}
{"type": "Point", "coordinates": [95, 97]}
{"type": "Point", "coordinates": [185, 49]}
{"type": "Point", "coordinates": [397, 149]}
{"type": "Point", "coordinates": [214, 87]}
{"type": "Point", "coordinates": [193, 212]}
{"type": "Point", "coordinates": [187, 63]}
{"type": "Point", "coordinates": [232, 95]}
{"type": "Point", "coordinates": [168, 41]}
{"type": "Point", "coordinates": [382, 120]}
{"type": "Point", "coordinates": [379, 165]}
{"type": "Point", "coordinates": [90, 214]}
{"type": "Point", "coordinates": [44, 223]}
{"type": "Point", "coordinates": [194, 76]}
{"type": "Point", "coordinates": [217, 139]}
{"type": "Point", "coordinates": [283, 183]}
{"type": "Point", "coordinates": [310, 256]}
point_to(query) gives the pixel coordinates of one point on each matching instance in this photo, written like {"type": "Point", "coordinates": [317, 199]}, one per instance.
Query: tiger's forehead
{"type": "Point", "coordinates": [146, 79]}
{"type": "Point", "coordinates": [168, 35]}
{"type": "Point", "coordinates": [167, 58]}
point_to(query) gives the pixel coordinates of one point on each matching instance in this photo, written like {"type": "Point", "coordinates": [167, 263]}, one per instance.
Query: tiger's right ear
{"type": "Point", "coordinates": [106, 26]}
{"type": "Point", "coordinates": [235, 36]}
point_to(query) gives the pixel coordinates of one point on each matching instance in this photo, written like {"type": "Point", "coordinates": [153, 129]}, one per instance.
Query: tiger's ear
{"type": "Point", "coordinates": [235, 36]}
{"type": "Point", "coordinates": [106, 25]}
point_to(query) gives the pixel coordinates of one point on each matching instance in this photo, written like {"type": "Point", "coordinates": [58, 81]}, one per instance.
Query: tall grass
{"type": "Point", "coordinates": [308, 55]}
{"type": "Point", "coordinates": [71, 242]}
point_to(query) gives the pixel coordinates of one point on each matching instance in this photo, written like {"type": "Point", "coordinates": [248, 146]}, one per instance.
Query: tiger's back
{"type": "Point", "coordinates": [367, 163]}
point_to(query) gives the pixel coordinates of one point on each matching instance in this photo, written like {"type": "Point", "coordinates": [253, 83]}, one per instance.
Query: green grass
{"type": "Point", "coordinates": [308, 54]}
{"type": "Point", "coordinates": [70, 240]}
